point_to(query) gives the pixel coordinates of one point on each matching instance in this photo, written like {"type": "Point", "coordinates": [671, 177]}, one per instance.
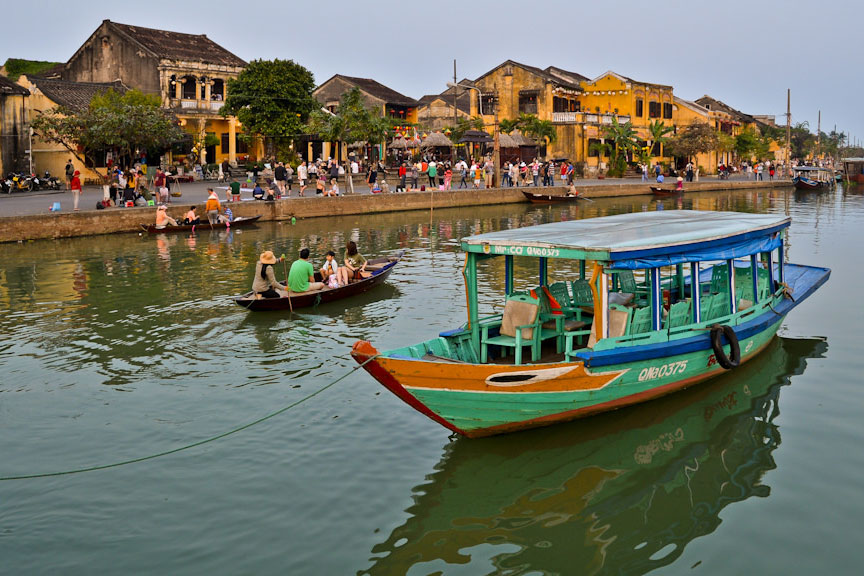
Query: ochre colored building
{"type": "Point", "coordinates": [189, 72]}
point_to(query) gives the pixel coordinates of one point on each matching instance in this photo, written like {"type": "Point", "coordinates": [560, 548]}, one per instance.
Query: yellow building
{"type": "Point", "coordinates": [189, 72]}
{"type": "Point", "coordinates": [552, 94]}
{"type": "Point", "coordinates": [376, 96]}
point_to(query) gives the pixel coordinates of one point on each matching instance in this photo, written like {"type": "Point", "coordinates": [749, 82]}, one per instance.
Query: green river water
{"type": "Point", "coordinates": [119, 347]}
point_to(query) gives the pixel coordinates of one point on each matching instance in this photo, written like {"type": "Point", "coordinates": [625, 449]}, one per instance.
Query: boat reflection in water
{"type": "Point", "coordinates": [622, 493]}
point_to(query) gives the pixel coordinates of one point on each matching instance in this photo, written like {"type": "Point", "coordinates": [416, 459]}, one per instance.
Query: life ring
{"type": "Point", "coordinates": [734, 349]}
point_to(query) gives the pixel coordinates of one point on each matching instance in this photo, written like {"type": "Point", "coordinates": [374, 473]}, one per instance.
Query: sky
{"type": "Point", "coordinates": [744, 53]}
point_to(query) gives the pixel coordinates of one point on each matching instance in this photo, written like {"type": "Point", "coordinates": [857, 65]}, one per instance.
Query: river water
{"type": "Point", "coordinates": [120, 347]}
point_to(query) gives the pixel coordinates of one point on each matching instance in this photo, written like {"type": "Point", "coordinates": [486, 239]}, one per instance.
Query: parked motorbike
{"type": "Point", "coordinates": [724, 173]}
{"type": "Point", "coordinates": [47, 182]}
{"type": "Point", "coordinates": [19, 183]}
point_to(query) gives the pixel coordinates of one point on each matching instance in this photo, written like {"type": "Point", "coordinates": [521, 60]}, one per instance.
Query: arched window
{"type": "Point", "coordinates": [217, 90]}
{"type": "Point", "coordinates": [189, 88]}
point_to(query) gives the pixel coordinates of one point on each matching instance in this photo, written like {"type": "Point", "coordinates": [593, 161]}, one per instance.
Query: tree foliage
{"type": "Point", "coordinates": [692, 140]}
{"type": "Point", "coordinates": [271, 98]}
{"type": "Point", "coordinates": [465, 124]}
{"type": "Point", "coordinates": [122, 123]}
{"type": "Point", "coordinates": [351, 122]}
{"type": "Point", "coordinates": [622, 141]}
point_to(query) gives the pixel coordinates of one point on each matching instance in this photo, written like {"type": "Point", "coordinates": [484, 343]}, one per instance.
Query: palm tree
{"type": "Point", "coordinates": [657, 131]}
{"type": "Point", "coordinates": [543, 131]}
{"type": "Point", "coordinates": [622, 139]}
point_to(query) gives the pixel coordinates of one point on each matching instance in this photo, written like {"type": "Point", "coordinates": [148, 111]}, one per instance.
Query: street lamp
{"type": "Point", "coordinates": [479, 94]}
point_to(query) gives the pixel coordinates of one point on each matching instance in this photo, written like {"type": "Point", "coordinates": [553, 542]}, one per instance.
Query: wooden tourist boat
{"type": "Point", "coordinates": [660, 311]}
{"type": "Point", "coordinates": [812, 178]}
{"type": "Point", "coordinates": [550, 198]}
{"type": "Point", "coordinates": [239, 222]}
{"type": "Point", "coordinates": [380, 269]}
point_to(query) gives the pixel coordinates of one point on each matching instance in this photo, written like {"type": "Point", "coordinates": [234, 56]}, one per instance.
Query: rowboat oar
{"type": "Point", "coordinates": [285, 269]}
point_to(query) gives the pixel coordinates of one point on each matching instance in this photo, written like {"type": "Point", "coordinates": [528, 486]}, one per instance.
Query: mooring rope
{"type": "Point", "coordinates": [194, 444]}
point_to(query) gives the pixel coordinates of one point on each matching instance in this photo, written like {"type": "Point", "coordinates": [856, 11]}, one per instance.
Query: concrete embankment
{"type": "Point", "coordinates": [116, 220]}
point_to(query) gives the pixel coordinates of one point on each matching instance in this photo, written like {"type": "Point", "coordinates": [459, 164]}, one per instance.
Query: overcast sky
{"type": "Point", "coordinates": [746, 53]}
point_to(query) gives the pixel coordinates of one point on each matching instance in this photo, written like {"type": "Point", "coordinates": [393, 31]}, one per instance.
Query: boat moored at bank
{"type": "Point", "coordinates": [642, 305]}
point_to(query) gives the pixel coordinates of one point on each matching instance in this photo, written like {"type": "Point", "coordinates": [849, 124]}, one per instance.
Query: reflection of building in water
{"type": "Point", "coordinates": [619, 494]}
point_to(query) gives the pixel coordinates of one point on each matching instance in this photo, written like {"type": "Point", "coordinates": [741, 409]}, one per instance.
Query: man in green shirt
{"type": "Point", "coordinates": [301, 276]}
{"type": "Point", "coordinates": [234, 190]}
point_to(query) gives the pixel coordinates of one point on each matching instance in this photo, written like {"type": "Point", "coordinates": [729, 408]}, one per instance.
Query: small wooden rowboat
{"type": "Point", "coordinates": [659, 191]}
{"type": "Point", "coordinates": [380, 269]}
{"type": "Point", "coordinates": [723, 276]}
{"type": "Point", "coordinates": [203, 226]}
{"type": "Point", "coordinates": [550, 198]}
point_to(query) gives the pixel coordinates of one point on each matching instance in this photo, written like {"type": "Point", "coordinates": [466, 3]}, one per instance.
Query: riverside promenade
{"type": "Point", "coordinates": [26, 216]}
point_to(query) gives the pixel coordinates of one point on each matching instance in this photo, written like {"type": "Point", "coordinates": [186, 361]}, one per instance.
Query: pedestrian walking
{"type": "Point", "coordinates": [462, 166]}
{"type": "Point", "coordinates": [488, 173]}
{"type": "Point", "coordinates": [302, 177]}
{"type": "Point", "coordinates": [432, 172]}
{"type": "Point", "coordinates": [280, 176]}
{"type": "Point", "coordinates": [289, 177]}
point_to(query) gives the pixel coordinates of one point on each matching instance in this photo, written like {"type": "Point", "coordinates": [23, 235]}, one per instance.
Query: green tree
{"type": "Point", "coordinates": [465, 124]}
{"type": "Point", "coordinates": [657, 131]}
{"type": "Point", "coordinates": [692, 140]}
{"type": "Point", "coordinates": [746, 142]}
{"type": "Point", "coordinates": [271, 98]}
{"type": "Point", "coordinates": [351, 122]}
{"type": "Point", "coordinates": [123, 123]}
{"type": "Point", "coordinates": [622, 141]}
{"type": "Point", "coordinates": [542, 131]}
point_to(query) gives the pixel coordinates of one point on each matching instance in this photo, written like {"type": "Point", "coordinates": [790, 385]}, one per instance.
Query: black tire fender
{"type": "Point", "coordinates": [725, 361]}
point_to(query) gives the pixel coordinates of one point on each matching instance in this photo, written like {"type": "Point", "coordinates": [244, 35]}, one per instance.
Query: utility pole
{"type": "Point", "coordinates": [788, 133]}
{"type": "Point", "coordinates": [455, 94]}
{"type": "Point", "coordinates": [819, 135]}
{"type": "Point", "coordinates": [496, 151]}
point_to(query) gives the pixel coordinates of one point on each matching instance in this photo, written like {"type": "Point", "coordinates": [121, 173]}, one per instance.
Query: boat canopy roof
{"type": "Point", "coordinates": [640, 240]}
{"type": "Point", "coordinates": [810, 168]}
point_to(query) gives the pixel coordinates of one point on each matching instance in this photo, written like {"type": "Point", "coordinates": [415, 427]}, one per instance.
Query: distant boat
{"type": "Point", "coordinates": [812, 178]}
{"type": "Point", "coordinates": [205, 225]}
{"type": "Point", "coordinates": [550, 198]}
{"type": "Point", "coordinates": [659, 191]}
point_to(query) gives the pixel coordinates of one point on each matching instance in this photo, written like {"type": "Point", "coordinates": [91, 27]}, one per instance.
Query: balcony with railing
{"type": "Point", "coordinates": [564, 117]}
{"type": "Point", "coordinates": [190, 105]}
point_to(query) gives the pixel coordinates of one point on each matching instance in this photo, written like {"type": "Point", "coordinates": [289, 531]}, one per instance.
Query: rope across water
{"type": "Point", "coordinates": [194, 444]}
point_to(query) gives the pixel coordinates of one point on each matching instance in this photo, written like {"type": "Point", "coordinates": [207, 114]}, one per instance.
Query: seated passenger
{"type": "Point", "coordinates": [301, 276]}
{"type": "Point", "coordinates": [191, 217]}
{"type": "Point", "coordinates": [265, 285]}
{"type": "Point", "coordinates": [162, 218]}
{"type": "Point", "coordinates": [227, 217]}
{"type": "Point", "coordinates": [355, 264]}
{"type": "Point", "coordinates": [330, 271]}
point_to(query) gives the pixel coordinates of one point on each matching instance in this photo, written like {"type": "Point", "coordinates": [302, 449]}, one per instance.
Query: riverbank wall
{"type": "Point", "coordinates": [124, 220]}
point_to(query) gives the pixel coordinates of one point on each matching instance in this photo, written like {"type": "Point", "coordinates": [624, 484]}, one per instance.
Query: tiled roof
{"type": "Point", "coordinates": [7, 87]}
{"type": "Point", "coordinates": [178, 46]}
{"type": "Point", "coordinates": [560, 79]}
{"type": "Point", "coordinates": [463, 99]}
{"type": "Point", "coordinates": [378, 90]}
{"type": "Point", "coordinates": [573, 77]}
{"type": "Point", "coordinates": [75, 96]}
{"type": "Point", "coordinates": [714, 104]}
